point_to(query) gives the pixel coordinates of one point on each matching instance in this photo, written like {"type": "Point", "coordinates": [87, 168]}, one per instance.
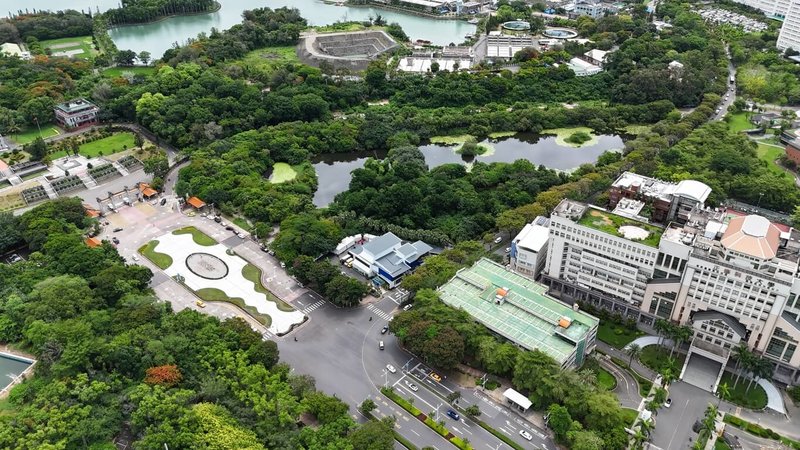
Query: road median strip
{"type": "Point", "coordinates": [437, 427]}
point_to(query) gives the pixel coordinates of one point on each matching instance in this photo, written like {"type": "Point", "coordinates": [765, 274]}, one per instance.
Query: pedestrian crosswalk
{"type": "Point", "coordinates": [375, 310]}
{"type": "Point", "coordinates": [267, 335]}
{"type": "Point", "coordinates": [313, 306]}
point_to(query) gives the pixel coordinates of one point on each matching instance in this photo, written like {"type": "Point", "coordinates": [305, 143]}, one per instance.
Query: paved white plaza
{"type": "Point", "coordinates": [234, 284]}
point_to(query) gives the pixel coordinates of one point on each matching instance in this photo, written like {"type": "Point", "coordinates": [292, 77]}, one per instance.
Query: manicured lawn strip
{"type": "Point", "coordinates": [739, 122]}
{"type": "Point", "coordinates": [755, 399]}
{"type": "Point", "coordinates": [644, 384]}
{"type": "Point", "coordinates": [655, 357]}
{"type": "Point", "coordinates": [253, 274]}
{"type": "Point", "coordinates": [629, 415]}
{"type": "Point", "coordinates": [607, 332]}
{"type": "Point", "coordinates": [759, 431]}
{"type": "Point", "coordinates": [198, 236]}
{"type": "Point", "coordinates": [432, 424]}
{"type": "Point", "coordinates": [606, 380]}
{"type": "Point", "coordinates": [500, 435]}
{"type": "Point", "coordinates": [115, 72]}
{"type": "Point", "coordinates": [107, 146]}
{"type": "Point", "coordinates": [637, 129]}
{"type": "Point", "coordinates": [216, 295]}
{"type": "Point", "coordinates": [29, 134]}
{"type": "Point", "coordinates": [162, 260]}
{"type": "Point", "coordinates": [112, 144]}
{"type": "Point", "coordinates": [282, 172]}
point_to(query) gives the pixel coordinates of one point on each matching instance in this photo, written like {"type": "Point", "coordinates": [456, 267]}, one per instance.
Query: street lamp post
{"type": "Point", "coordinates": [385, 378]}
{"type": "Point", "coordinates": [436, 414]}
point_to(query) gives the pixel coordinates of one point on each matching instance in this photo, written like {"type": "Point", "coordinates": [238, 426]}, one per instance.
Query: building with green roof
{"type": "Point", "coordinates": [517, 308]}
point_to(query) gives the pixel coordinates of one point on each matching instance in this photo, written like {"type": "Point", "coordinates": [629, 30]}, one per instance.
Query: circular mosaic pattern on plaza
{"type": "Point", "coordinates": [207, 266]}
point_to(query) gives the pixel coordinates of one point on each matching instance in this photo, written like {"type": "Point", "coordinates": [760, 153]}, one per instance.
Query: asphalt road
{"type": "Point", "coordinates": [338, 347]}
{"type": "Point", "coordinates": [726, 103]}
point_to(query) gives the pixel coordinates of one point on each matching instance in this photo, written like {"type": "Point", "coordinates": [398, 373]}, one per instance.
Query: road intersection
{"type": "Point", "coordinates": [337, 346]}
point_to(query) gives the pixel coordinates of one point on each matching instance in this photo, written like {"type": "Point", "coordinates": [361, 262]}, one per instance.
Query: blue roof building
{"type": "Point", "coordinates": [388, 257]}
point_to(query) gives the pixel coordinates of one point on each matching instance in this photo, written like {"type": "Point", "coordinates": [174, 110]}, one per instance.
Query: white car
{"type": "Point", "coordinates": [525, 434]}
{"type": "Point", "coordinates": [135, 258]}
{"type": "Point", "coordinates": [241, 235]}
{"type": "Point", "coordinates": [391, 368]}
{"type": "Point", "coordinates": [498, 240]}
{"type": "Point", "coordinates": [412, 386]}
{"type": "Point", "coordinates": [668, 403]}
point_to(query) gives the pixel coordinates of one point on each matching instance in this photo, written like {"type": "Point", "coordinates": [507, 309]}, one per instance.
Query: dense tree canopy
{"type": "Point", "coordinates": [112, 358]}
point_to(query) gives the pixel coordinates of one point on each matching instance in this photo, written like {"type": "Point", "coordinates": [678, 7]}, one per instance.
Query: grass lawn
{"type": "Point", "coordinates": [739, 122]}
{"type": "Point", "coordinates": [253, 274]}
{"type": "Point", "coordinates": [115, 72]}
{"type": "Point", "coordinates": [281, 173]}
{"type": "Point", "coordinates": [637, 129]}
{"type": "Point", "coordinates": [162, 260]}
{"type": "Point", "coordinates": [756, 398]}
{"type": "Point", "coordinates": [83, 43]}
{"type": "Point", "coordinates": [769, 154]}
{"type": "Point", "coordinates": [216, 295]}
{"type": "Point", "coordinates": [6, 408]}
{"type": "Point", "coordinates": [606, 380]}
{"type": "Point", "coordinates": [29, 134]}
{"type": "Point", "coordinates": [270, 57]}
{"type": "Point", "coordinates": [656, 356]}
{"type": "Point", "coordinates": [117, 142]}
{"type": "Point", "coordinates": [611, 224]}
{"type": "Point", "coordinates": [198, 236]}
{"type": "Point", "coordinates": [629, 415]}
{"type": "Point", "coordinates": [240, 222]}
{"type": "Point", "coordinates": [616, 335]}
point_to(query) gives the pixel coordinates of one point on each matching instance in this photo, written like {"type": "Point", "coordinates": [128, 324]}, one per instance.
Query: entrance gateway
{"type": "Point", "coordinates": [715, 333]}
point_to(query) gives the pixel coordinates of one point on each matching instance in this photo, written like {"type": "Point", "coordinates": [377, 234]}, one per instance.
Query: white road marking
{"type": "Point", "coordinates": [415, 433]}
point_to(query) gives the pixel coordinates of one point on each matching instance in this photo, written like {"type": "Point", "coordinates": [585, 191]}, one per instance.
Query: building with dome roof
{"type": "Point", "coordinates": [732, 277]}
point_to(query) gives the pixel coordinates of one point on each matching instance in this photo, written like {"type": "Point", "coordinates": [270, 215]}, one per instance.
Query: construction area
{"type": "Point", "coordinates": [351, 50]}
{"type": "Point", "coordinates": [517, 309]}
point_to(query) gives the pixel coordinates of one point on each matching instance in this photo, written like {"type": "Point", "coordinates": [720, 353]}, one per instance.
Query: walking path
{"type": "Point", "coordinates": [644, 341]}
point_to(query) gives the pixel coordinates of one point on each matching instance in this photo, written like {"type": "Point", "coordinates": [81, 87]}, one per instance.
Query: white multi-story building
{"type": "Point", "coordinates": [789, 36]}
{"type": "Point", "coordinates": [732, 277]}
{"type": "Point", "coordinates": [529, 248]}
{"type": "Point", "coordinates": [771, 8]}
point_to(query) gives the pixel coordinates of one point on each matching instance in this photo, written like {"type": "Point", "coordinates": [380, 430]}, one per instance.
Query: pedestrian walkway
{"type": "Point", "coordinates": [377, 311]}
{"type": "Point", "coordinates": [774, 397]}
{"type": "Point", "coordinates": [313, 306]}
{"type": "Point", "coordinates": [636, 365]}
{"type": "Point", "coordinates": [644, 341]}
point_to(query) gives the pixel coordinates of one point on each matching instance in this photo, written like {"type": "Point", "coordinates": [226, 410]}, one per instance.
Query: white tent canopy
{"type": "Point", "coordinates": [517, 398]}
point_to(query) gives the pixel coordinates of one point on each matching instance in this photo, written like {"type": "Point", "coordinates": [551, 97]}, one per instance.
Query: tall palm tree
{"type": "Point", "coordinates": [679, 336]}
{"type": "Point", "coordinates": [661, 326]}
{"type": "Point", "coordinates": [761, 368]}
{"type": "Point", "coordinates": [724, 393]}
{"type": "Point", "coordinates": [742, 355]}
{"type": "Point", "coordinates": [646, 426]}
{"type": "Point", "coordinates": [633, 351]}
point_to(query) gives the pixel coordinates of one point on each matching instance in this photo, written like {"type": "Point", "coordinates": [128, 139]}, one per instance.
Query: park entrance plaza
{"type": "Point", "coordinates": [210, 269]}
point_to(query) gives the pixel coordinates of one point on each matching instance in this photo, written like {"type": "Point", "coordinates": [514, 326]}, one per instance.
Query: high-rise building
{"type": "Point", "coordinates": [730, 275]}
{"type": "Point", "coordinates": [789, 36]}
{"type": "Point", "coordinates": [529, 248]}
